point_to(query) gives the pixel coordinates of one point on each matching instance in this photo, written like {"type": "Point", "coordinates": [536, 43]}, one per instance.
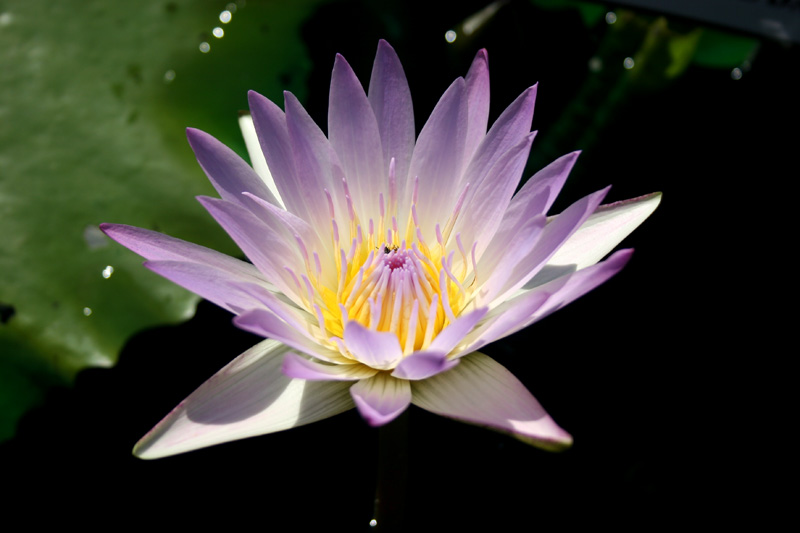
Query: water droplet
{"type": "Point", "coordinates": [611, 17]}
{"type": "Point", "coordinates": [169, 76]}
{"type": "Point", "coordinates": [450, 36]}
{"type": "Point", "coordinates": [225, 16]}
{"type": "Point", "coordinates": [87, 311]}
{"type": "Point", "coordinates": [628, 63]}
{"type": "Point", "coordinates": [736, 73]}
{"type": "Point", "coordinates": [205, 47]}
{"type": "Point", "coordinates": [5, 19]}
{"type": "Point", "coordinates": [231, 7]}
{"type": "Point", "coordinates": [595, 64]}
{"type": "Point", "coordinates": [373, 523]}
{"type": "Point", "coordinates": [218, 32]}
{"type": "Point", "coordinates": [107, 271]}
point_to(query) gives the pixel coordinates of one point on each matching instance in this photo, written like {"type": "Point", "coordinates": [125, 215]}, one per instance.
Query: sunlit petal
{"type": "Point", "coordinates": [248, 397]}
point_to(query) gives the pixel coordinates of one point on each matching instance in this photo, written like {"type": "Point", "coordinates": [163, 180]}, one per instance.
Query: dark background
{"type": "Point", "coordinates": [654, 373]}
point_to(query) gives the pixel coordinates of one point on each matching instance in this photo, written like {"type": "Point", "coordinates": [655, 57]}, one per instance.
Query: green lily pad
{"type": "Point", "coordinates": [93, 105]}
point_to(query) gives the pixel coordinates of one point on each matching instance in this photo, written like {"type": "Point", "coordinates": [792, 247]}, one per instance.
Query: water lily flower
{"type": "Point", "coordinates": [381, 263]}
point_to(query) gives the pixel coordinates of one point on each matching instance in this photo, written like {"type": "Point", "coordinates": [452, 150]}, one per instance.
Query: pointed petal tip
{"type": "Point", "coordinates": [620, 258]}
{"type": "Point", "coordinates": [289, 96]}
{"type": "Point", "coordinates": [422, 365]}
{"type": "Point", "coordinates": [254, 98]}
{"type": "Point", "coordinates": [380, 399]}
{"type": "Point", "coordinates": [559, 444]}
{"type": "Point", "coordinates": [194, 135]}
{"type": "Point", "coordinates": [373, 417]}
{"type": "Point", "coordinates": [140, 450]}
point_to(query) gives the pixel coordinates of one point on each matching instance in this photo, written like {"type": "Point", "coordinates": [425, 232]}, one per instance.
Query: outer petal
{"type": "Point", "coordinates": [497, 270]}
{"type": "Point", "coordinates": [229, 174]}
{"type": "Point", "coordinates": [507, 131]}
{"type": "Point", "coordinates": [601, 232]}
{"type": "Point", "coordinates": [317, 169]}
{"type": "Point", "coordinates": [482, 216]}
{"type": "Point", "coordinates": [267, 249]}
{"type": "Point", "coordinates": [264, 323]}
{"type": "Point", "coordinates": [159, 247]}
{"type": "Point", "coordinates": [381, 398]}
{"type": "Point", "coordinates": [438, 158]}
{"type": "Point", "coordinates": [550, 179]}
{"type": "Point", "coordinates": [354, 134]}
{"type": "Point", "coordinates": [390, 98]}
{"type": "Point", "coordinates": [257, 159]}
{"type": "Point", "coordinates": [478, 102]}
{"type": "Point", "coordinates": [483, 392]}
{"type": "Point", "coordinates": [248, 397]}
{"type": "Point", "coordinates": [554, 235]}
{"type": "Point", "coordinates": [208, 282]}
{"type": "Point", "coordinates": [533, 305]}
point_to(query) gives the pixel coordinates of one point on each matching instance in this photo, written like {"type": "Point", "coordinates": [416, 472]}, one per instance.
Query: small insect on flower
{"type": "Point", "coordinates": [381, 262]}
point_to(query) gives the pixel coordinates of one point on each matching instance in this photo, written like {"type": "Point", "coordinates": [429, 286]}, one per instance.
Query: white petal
{"type": "Point", "coordinates": [381, 398]}
{"type": "Point", "coordinates": [248, 397]}
{"type": "Point", "coordinates": [257, 158]}
{"type": "Point", "coordinates": [483, 392]}
{"type": "Point", "coordinates": [598, 235]}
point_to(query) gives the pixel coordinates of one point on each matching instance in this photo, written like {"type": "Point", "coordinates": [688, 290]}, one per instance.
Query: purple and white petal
{"type": "Point", "coordinates": [257, 159]}
{"type": "Point", "coordinates": [248, 397]}
{"type": "Point", "coordinates": [484, 212]}
{"type": "Point", "coordinates": [495, 271]}
{"type": "Point", "coordinates": [438, 158]}
{"type": "Point", "coordinates": [557, 231]}
{"type": "Point", "coordinates": [228, 173]}
{"type": "Point", "coordinates": [273, 134]}
{"type": "Point", "coordinates": [390, 99]}
{"type": "Point", "coordinates": [422, 365]}
{"type": "Point", "coordinates": [453, 334]}
{"type": "Point", "coordinates": [549, 180]}
{"type": "Point", "coordinates": [297, 366]}
{"type": "Point", "coordinates": [477, 102]}
{"type": "Point", "coordinates": [381, 398]}
{"type": "Point", "coordinates": [599, 234]}
{"type": "Point", "coordinates": [265, 323]}
{"type": "Point", "coordinates": [481, 391]}
{"type": "Point", "coordinates": [532, 305]}
{"type": "Point", "coordinates": [159, 247]}
{"type": "Point", "coordinates": [269, 251]}
{"type": "Point", "coordinates": [317, 168]}
{"type": "Point", "coordinates": [508, 130]}
{"type": "Point", "coordinates": [354, 134]}
{"type": "Point", "coordinates": [378, 349]}
{"type": "Point", "coordinates": [208, 282]}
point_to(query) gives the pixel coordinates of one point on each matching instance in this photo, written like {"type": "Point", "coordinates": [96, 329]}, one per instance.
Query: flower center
{"type": "Point", "coordinates": [388, 280]}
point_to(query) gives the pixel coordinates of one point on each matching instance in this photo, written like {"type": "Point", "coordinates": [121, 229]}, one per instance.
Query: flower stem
{"type": "Point", "coordinates": [392, 475]}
